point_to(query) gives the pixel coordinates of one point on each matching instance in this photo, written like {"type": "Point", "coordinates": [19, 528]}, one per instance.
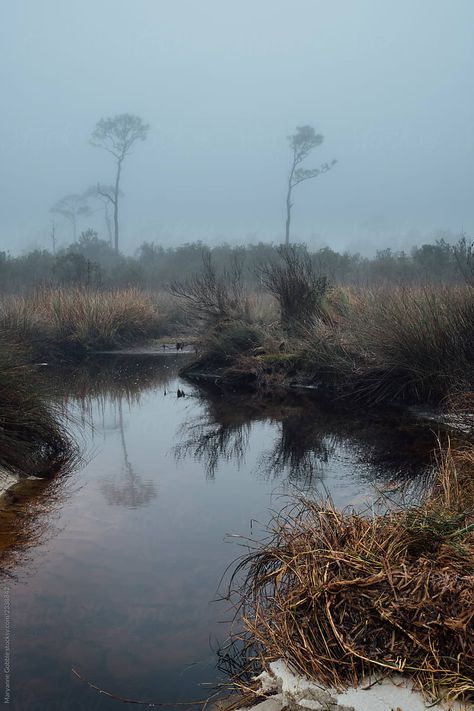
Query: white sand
{"type": "Point", "coordinates": [289, 690]}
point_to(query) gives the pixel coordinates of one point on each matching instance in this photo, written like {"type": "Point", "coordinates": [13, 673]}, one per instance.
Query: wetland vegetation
{"type": "Point", "coordinates": [331, 370]}
{"type": "Point", "coordinates": [236, 356]}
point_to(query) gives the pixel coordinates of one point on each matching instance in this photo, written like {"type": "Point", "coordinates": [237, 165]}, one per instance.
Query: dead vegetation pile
{"type": "Point", "coordinates": [341, 597]}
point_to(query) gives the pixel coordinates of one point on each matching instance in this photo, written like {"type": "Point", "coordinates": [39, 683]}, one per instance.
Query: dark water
{"type": "Point", "coordinates": [118, 564]}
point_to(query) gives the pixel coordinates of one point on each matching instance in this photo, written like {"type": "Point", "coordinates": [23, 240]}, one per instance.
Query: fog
{"type": "Point", "coordinates": [222, 84]}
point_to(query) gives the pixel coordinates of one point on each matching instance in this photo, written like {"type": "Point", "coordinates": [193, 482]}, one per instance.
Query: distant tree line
{"type": "Point", "coordinates": [94, 262]}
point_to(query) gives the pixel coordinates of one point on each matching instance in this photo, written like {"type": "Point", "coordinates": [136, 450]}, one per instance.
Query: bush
{"type": "Point", "coordinates": [231, 341]}
{"type": "Point", "coordinates": [212, 298]}
{"type": "Point", "coordinates": [296, 286]}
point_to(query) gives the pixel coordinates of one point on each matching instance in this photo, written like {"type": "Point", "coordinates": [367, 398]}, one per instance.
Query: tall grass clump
{"type": "Point", "coordinates": [296, 285]}
{"type": "Point", "coordinates": [341, 596]}
{"type": "Point", "coordinates": [414, 345]}
{"type": "Point", "coordinates": [73, 321]}
{"type": "Point", "coordinates": [33, 438]}
{"type": "Point", "coordinates": [419, 342]}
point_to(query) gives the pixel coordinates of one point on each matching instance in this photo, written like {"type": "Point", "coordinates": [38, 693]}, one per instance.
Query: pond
{"type": "Point", "coordinates": [119, 565]}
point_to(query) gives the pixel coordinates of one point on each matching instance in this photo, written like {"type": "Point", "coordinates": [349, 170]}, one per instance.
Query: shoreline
{"type": "Point", "coordinates": [295, 692]}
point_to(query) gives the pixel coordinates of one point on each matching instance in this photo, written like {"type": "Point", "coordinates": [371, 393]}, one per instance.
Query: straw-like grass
{"type": "Point", "coordinates": [341, 596]}
{"type": "Point", "coordinates": [76, 320]}
{"type": "Point", "coordinates": [413, 344]}
{"type": "Point", "coordinates": [389, 345]}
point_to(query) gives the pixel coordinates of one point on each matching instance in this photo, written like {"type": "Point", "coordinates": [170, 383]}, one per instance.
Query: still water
{"type": "Point", "coordinates": [116, 567]}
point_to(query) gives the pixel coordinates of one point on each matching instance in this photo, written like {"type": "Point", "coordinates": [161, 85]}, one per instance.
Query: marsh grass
{"type": "Point", "coordinates": [342, 596]}
{"type": "Point", "coordinates": [34, 440]}
{"type": "Point", "coordinates": [412, 344]}
{"type": "Point", "coordinates": [75, 321]}
{"type": "Point", "coordinates": [390, 345]}
{"type": "Point", "coordinates": [296, 285]}
{"type": "Point", "coordinates": [424, 336]}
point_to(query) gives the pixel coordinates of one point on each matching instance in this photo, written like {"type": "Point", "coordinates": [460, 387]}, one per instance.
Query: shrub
{"type": "Point", "coordinates": [297, 287]}
{"type": "Point", "coordinates": [231, 341]}
{"type": "Point", "coordinates": [212, 298]}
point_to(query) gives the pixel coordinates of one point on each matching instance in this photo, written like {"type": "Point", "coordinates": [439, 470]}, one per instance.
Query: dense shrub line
{"type": "Point", "coordinates": [92, 262]}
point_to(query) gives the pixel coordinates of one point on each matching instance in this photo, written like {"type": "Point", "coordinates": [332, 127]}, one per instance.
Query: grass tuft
{"type": "Point", "coordinates": [343, 596]}
{"type": "Point", "coordinates": [33, 438]}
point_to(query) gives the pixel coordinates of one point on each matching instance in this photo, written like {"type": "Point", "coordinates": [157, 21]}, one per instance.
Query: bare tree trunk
{"type": "Point", "coordinates": [288, 215]}
{"type": "Point", "coordinates": [116, 198]}
{"type": "Point", "coordinates": [108, 223]}
{"type": "Point", "coordinates": [289, 204]}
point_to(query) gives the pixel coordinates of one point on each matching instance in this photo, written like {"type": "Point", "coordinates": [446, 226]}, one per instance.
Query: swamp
{"type": "Point", "coordinates": [236, 355]}
{"type": "Point", "coordinates": [115, 568]}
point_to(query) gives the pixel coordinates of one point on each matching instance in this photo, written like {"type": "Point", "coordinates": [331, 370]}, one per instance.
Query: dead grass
{"type": "Point", "coordinates": [74, 321]}
{"type": "Point", "coordinates": [342, 596]}
{"type": "Point", "coordinates": [413, 344]}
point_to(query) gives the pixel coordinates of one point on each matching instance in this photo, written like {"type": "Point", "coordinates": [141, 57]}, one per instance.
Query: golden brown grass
{"type": "Point", "coordinates": [342, 596]}
{"type": "Point", "coordinates": [77, 320]}
{"type": "Point", "coordinates": [413, 344]}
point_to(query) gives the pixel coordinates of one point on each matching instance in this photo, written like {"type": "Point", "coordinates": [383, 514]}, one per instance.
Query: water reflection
{"type": "Point", "coordinates": [28, 513]}
{"type": "Point", "coordinates": [95, 386]}
{"type": "Point", "coordinates": [109, 378]}
{"type": "Point", "coordinates": [136, 536]}
{"type": "Point", "coordinates": [131, 490]}
{"type": "Point", "coordinates": [308, 434]}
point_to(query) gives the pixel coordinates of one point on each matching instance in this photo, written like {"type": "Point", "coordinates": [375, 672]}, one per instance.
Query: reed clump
{"type": "Point", "coordinates": [342, 597]}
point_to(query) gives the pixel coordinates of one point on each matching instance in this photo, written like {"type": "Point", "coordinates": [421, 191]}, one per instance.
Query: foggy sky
{"type": "Point", "coordinates": [222, 84]}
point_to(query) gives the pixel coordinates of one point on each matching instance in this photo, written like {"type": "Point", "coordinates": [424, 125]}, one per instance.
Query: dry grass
{"type": "Point", "coordinates": [402, 345]}
{"type": "Point", "coordinates": [342, 596]}
{"type": "Point", "coordinates": [396, 344]}
{"type": "Point", "coordinates": [33, 437]}
{"type": "Point", "coordinates": [78, 320]}
{"type": "Point", "coordinates": [297, 287]}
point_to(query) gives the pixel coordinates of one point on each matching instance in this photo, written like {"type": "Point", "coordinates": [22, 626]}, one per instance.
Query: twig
{"type": "Point", "coordinates": [126, 700]}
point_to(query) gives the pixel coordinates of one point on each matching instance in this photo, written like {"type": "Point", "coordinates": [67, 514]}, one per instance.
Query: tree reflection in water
{"type": "Point", "coordinates": [386, 446]}
{"type": "Point", "coordinates": [130, 491]}
{"type": "Point", "coordinates": [222, 433]}
{"type": "Point", "coordinates": [115, 381]}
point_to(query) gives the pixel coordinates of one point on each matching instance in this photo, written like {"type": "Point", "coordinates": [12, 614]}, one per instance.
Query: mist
{"type": "Point", "coordinates": [222, 85]}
